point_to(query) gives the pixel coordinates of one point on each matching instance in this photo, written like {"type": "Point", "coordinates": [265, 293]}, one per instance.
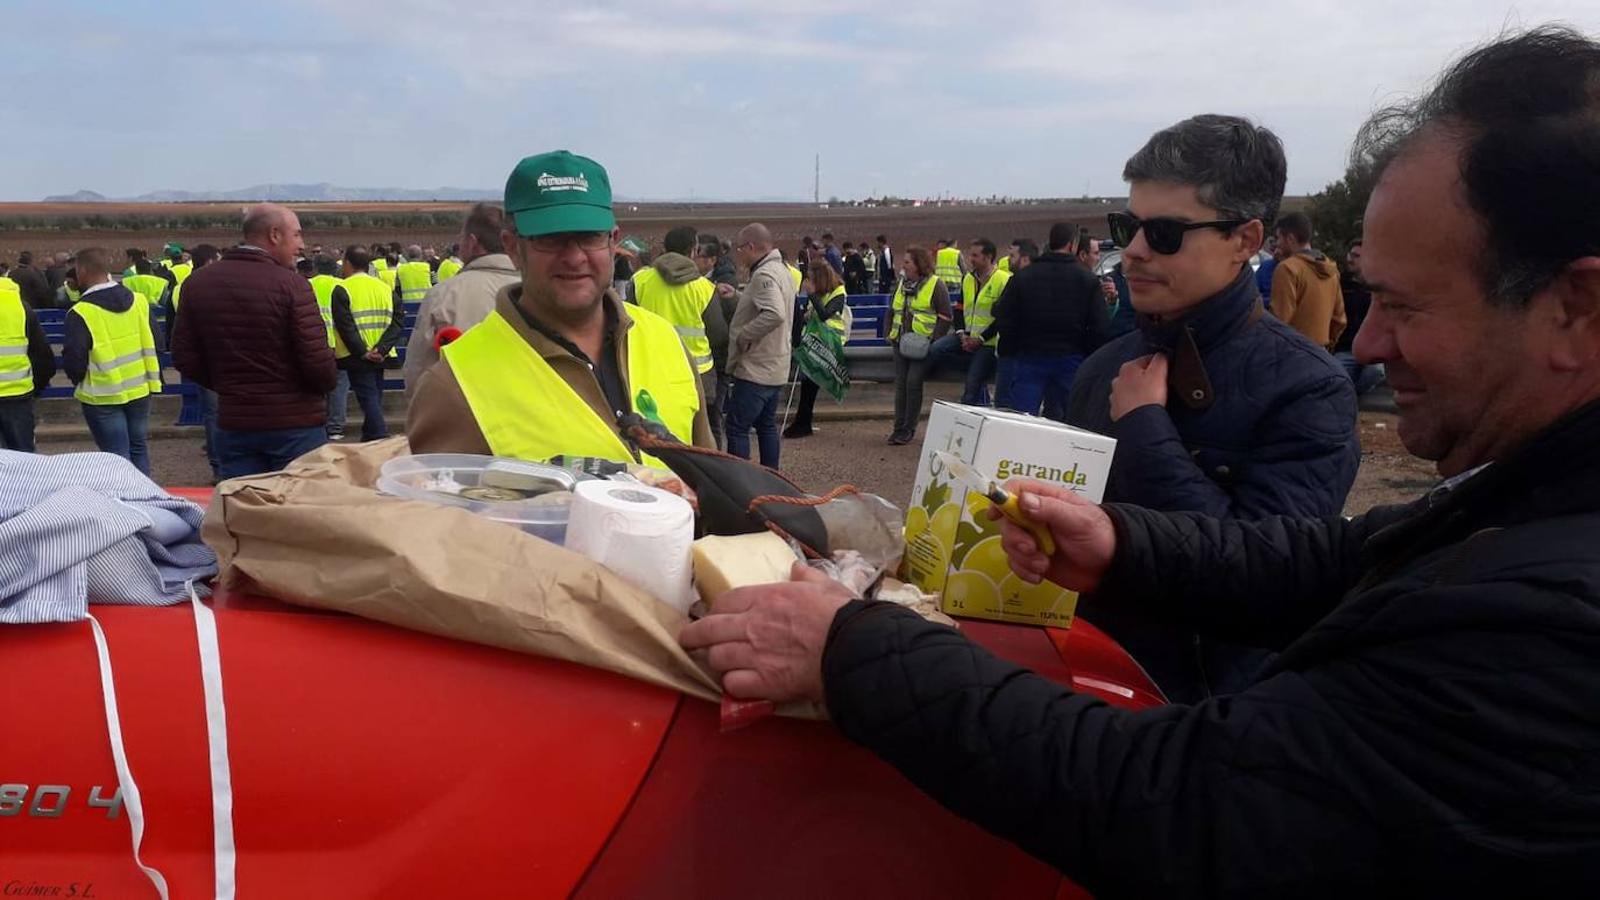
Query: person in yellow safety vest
{"type": "Point", "coordinates": [325, 278]}
{"type": "Point", "coordinates": [110, 354]}
{"type": "Point", "coordinates": [673, 288]}
{"type": "Point", "coordinates": [950, 267]}
{"type": "Point", "coordinates": [172, 258]}
{"type": "Point", "coordinates": [369, 320]}
{"type": "Point", "coordinates": [27, 363]}
{"type": "Point", "coordinates": [144, 282]}
{"type": "Point", "coordinates": [413, 276]}
{"type": "Point", "coordinates": [201, 256]}
{"type": "Point", "coordinates": [828, 301]}
{"type": "Point", "coordinates": [389, 273]}
{"type": "Point", "coordinates": [795, 273]}
{"type": "Point", "coordinates": [561, 358]}
{"type": "Point", "coordinates": [450, 265]}
{"type": "Point", "coordinates": [920, 305]}
{"type": "Point", "coordinates": [980, 289]}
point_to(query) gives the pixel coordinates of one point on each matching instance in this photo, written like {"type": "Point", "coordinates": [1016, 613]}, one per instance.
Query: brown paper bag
{"type": "Point", "coordinates": [319, 535]}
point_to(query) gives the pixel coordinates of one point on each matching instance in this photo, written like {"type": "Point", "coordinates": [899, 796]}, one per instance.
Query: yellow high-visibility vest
{"type": "Point", "coordinates": [1004, 264]}
{"type": "Point", "coordinates": [842, 322]}
{"type": "Point", "coordinates": [980, 303]}
{"type": "Point", "coordinates": [150, 287]}
{"type": "Point", "coordinates": [8, 286]}
{"type": "Point", "coordinates": [388, 276]}
{"type": "Point", "coordinates": [16, 372]}
{"type": "Point", "coordinates": [181, 271]}
{"type": "Point", "coordinates": [683, 305]}
{"type": "Point", "coordinates": [947, 265]}
{"type": "Point", "coordinates": [923, 316]}
{"type": "Point", "coordinates": [526, 411]}
{"type": "Point", "coordinates": [122, 361]}
{"type": "Point", "coordinates": [371, 305]}
{"type": "Point", "coordinates": [322, 286]}
{"type": "Point", "coordinates": [795, 273]}
{"type": "Point", "coordinates": [448, 267]}
{"type": "Point", "coordinates": [415, 279]}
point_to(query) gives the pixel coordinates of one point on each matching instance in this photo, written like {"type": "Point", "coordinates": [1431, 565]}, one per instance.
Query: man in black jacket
{"type": "Point", "coordinates": [1430, 726]}
{"type": "Point", "coordinates": [1049, 319]}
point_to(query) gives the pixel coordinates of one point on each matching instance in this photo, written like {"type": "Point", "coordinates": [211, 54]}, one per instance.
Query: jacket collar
{"type": "Point", "coordinates": [491, 261]}
{"type": "Point", "coordinates": [541, 337]}
{"type": "Point", "coordinates": [1186, 339]}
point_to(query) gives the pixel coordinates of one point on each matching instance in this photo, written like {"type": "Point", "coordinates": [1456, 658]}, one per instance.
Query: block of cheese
{"type": "Point", "coordinates": [722, 563]}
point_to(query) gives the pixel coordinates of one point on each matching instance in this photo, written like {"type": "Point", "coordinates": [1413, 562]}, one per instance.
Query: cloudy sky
{"type": "Point", "coordinates": [698, 98]}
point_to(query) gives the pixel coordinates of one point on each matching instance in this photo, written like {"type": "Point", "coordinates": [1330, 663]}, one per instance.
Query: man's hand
{"type": "Point", "coordinates": [766, 642]}
{"type": "Point", "coordinates": [726, 290]}
{"type": "Point", "coordinates": [1085, 540]}
{"type": "Point", "coordinates": [373, 356]}
{"type": "Point", "coordinates": [1141, 382]}
{"type": "Point", "coordinates": [970, 343]}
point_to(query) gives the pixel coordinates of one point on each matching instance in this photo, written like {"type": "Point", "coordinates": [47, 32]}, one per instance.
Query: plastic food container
{"type": "Point", "coordinates": [457, 479]}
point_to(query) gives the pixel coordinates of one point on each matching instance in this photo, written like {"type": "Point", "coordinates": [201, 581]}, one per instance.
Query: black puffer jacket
{"type": "Point", "coordinates": [1431, 727]}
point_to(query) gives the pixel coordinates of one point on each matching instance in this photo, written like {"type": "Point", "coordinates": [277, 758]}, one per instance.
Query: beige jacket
{"type": "Point", "coordinates": [759, 340]}
{"type": "Point", "coordinates": [461, 302]}
{"type": "Point", "coordinates": [441, 421]}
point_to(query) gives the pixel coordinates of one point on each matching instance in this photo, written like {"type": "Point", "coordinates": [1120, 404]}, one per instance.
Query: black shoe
{"type": "Point", "coordinates": [792, 433]}
{"type": "Point", "coordinates": [898, 440]}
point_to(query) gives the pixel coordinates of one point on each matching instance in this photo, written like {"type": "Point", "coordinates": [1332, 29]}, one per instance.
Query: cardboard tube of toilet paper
{"type": "Point", "coordinates": [641, 533]}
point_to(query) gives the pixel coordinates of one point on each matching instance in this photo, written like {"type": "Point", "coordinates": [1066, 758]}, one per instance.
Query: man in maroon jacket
{"type": "Point", "coordinates": [252, 332]}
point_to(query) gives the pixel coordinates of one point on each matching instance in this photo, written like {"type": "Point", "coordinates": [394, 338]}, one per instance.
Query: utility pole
{"type": "Point", "coordinates": [816, 184]}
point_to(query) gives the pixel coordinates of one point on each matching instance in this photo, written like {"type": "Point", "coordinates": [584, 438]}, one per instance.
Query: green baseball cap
{"type": "Point", "coordinates": [556, 192]}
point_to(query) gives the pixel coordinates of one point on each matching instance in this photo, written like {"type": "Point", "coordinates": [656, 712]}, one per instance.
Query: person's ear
{"type": "Point", "coordinates": [1251, 235]}
{"type": "Point", "coordinates": [1572, 304]}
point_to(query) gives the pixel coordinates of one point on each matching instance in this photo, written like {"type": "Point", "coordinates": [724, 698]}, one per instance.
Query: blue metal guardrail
{"type": "Point", "coordinates": [870, 327]}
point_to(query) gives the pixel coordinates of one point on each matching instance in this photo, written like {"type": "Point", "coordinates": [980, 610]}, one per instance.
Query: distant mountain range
{"type": "Point", "coordinates": [287, 193]}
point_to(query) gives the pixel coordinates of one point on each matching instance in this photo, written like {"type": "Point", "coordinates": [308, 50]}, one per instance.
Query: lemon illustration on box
{"type": "Point", "coordinates": [952, 548]}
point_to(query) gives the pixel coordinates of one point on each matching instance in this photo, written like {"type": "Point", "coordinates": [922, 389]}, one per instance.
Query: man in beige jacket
{"type": "Point", "coordinates": [1305, 285]}
{"type": "Point", "coordinates": [464, 300]}
{"type": "Point", "coordinates": [759, 344]}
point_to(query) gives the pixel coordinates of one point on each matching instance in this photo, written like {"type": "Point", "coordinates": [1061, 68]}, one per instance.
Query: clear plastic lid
{"type": "Point", "coordinates": [533, 496]}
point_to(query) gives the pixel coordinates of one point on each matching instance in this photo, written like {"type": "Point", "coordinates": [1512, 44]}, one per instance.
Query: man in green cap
{"type": "Point", "coordinates": [559, 360]}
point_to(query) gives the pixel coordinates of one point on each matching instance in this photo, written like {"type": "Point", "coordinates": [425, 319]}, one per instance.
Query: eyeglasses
{"type": "Point", "coordinates": [1165, 236]}
{"type": "Point", "coordinates": [586, 240]}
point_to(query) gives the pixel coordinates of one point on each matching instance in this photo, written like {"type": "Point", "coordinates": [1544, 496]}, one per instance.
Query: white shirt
{"type": "Point", "coordinates": [101, 286]}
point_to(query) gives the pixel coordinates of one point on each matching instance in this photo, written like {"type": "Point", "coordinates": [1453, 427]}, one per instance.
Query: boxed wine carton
{"type": "Point", "coordinates": [952, 548]}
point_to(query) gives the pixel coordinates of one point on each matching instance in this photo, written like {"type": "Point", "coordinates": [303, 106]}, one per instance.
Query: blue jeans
{"type": "Point", "coordinates": [338, 402]}
{"type": "Point", "coordinates": [368, 385]}
{"type": "Point", "coordinates": [1365, 378]}
{"type": "Point", "coordinates": [977, 364]}
{"type": "Point", "coordinates": [253, 452]}
{"type": "Point", "coordinates": [1042, 382]}
{"type": "Point", "coordinates": [123, 429]}
{"type": "Point", "coordinates": [208, 420]}
{"type": "Point", "coordinates": [752, 405]}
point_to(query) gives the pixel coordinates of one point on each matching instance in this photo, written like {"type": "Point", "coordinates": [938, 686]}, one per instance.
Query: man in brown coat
{"type": "Point", "coordinates": [1305, 284]}
{"type": "Point", "coordinates": [252, 332]}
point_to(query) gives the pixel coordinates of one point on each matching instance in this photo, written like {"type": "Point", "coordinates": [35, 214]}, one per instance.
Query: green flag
{"type": "Point", "coordinates": [820, 356]}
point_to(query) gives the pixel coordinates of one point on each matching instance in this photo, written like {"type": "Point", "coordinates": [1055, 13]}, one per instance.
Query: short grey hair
{"type": "Point", "coordinates": [1236, 166]}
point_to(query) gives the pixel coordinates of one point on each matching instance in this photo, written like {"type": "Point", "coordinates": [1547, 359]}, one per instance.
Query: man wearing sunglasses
{"type": "Point", "coordinates": [560, 359]}
{"type": "Point", "coordinates": [1215, 408]}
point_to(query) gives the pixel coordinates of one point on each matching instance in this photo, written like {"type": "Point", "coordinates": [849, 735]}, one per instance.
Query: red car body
{"type": "Point", "coordinates": [369, 761]}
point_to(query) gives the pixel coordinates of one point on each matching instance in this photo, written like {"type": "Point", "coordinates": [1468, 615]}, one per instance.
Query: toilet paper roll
{"type": "Point", "coordinates": [641, 533]}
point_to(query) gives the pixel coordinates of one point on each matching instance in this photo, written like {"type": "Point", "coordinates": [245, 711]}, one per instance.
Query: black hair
{"type": "Point", "coordinates": [1527, 111]}
{"type": "Point", "coordinates": [986, 247]}
{"type": "Point", "coordinates": [679, 240]}
{"type": "Point", "coordinates": [1235, 166]}
{"type": "Point", "coordinates": [1296, 224]}
{"type": "Point", "coordinates": [1063, 236]}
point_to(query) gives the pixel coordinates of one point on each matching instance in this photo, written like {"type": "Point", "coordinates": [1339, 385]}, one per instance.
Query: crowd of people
{"type": "Point", "coordinates": [1402, 700]}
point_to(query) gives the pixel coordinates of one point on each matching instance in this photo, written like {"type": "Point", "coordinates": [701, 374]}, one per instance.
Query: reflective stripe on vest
{"type": "Point", "coordinates": [947, 265]}
{"type": "Point", "coordinates": [372, 306]}
{"type": "Point", "coordinates": [322, 286]}
{"type": "Point", "coordinates": [415, 279]}
{"type": "Point", "coordinates": [122, 360]}
{"type": "Point", "coordinates": [449, 267]}
{"type": "Point", "coordinates": [980, 314]}
{"type": "Point", "coordinates": [16, 372]}
{"type": "Point", "coordinates": [683, 305]}
{"type": "Point", "coordinates": [527, 411]}
{"type": "Point", "coordinates": [923, 317]}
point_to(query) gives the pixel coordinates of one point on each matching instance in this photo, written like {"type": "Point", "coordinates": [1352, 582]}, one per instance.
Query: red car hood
{"type": "Point", "coordinates": [371, 761]}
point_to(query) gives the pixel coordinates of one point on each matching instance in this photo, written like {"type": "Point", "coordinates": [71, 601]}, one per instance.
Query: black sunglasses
{"type": "Point", "coordinates": [1165, 236]}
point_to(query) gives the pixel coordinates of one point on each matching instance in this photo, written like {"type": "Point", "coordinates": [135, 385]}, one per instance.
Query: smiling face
{"type": "Point", "coordinates": [1206, 263]}
{"type": "Point", "coordinates": [560, 278]}
{"type": "Point", "coordinates": [1472, 379]}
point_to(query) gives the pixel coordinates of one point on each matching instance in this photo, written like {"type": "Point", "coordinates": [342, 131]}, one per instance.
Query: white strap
{"type": "Point", "coordinates": [119, 754]}
{"type": "Point", "coordinates": [205, 626]}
